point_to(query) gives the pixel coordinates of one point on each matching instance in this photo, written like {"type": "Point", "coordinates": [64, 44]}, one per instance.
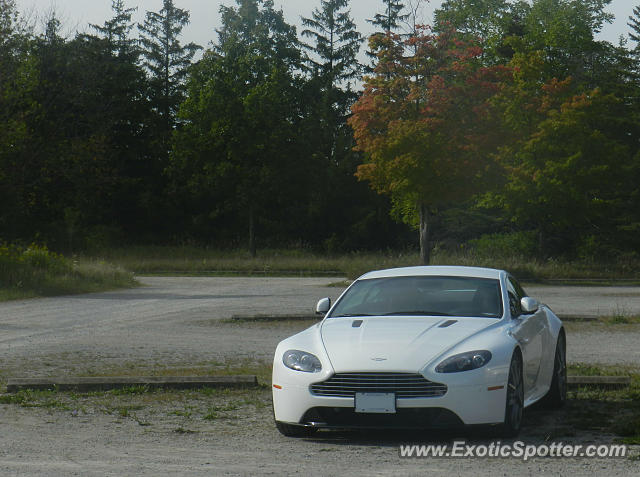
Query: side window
{"type": "Point", "coordinates": [515, 295]}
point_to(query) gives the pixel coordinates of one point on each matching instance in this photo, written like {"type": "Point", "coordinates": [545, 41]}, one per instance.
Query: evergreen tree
{"type": "Point", "coordinates": [119, 118]}
{"type": "Point", "coordinates": [634, 24]}
{"type": "Point", "coordinates": [335, 45]}
{"type": "Point", "coordinates": [116, 30]}
{"type": "Point", "coordinates": [336, 42]}
{"type": "Point", "coordinates": [390, 20]}
{"type": "Point", "coordinates": [167, 61]}
{"type": "Point", "coordinates": [18, 79]}
{"type": "Point", "coordinates": [239, 145]}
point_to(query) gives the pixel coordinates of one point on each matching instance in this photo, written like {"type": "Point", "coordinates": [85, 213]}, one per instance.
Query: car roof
{"type": "Point", "coordinates": [451, 271]}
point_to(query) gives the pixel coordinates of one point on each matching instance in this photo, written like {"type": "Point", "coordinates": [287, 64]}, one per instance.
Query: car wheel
{"type": "Point", "coordinates": [515, 398]}
{"type": "Point", "coordinates": [557, 395]}
{"type": "Point", "coordinates": [291, 430]}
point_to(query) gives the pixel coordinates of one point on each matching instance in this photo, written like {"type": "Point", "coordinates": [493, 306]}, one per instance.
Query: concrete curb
{"type": "Point", "coordinates": [153, 382]}
{"type": "Point", "coordinates": [579, 317]}
{"type": "Point", "coordinates": [608, 382]}
{"type": "Point", "coordinates": [274, 318]}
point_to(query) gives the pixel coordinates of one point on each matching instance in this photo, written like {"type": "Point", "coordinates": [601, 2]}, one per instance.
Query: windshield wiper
{"type": "Point", "coordinates": [418, 312]}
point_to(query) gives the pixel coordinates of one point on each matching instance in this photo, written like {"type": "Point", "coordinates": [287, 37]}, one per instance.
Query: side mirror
{"type": "Point", "coordinates": [323, 306]}
{"type": "Point", "coordinates": [529, 305]}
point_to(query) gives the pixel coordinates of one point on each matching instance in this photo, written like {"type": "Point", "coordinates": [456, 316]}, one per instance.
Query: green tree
{"type": "Point", "coordinates": [117, 123]}
{"type": "Point", "coordinates": [238, 145]}
{"type": "Point", "coordinates": [336, 42]}
{"type": "Point", "coordinates": [18, 81]}
{"type": "Point", "coordinates": [485, 18]}
{"type": "Point", "coordinates": [335, 45]}
{"type": "Point", "coordinates": [78, 137]}
{"type": "Point", "coordinates": [386, 23]}
{"type": "Point", "coordinates": [167, 61]}
{"type": "Point", "coordinates": [568, 179]}
{"type": "Point", "coordinates": [116, 30]}
{"type": "Point", "coordinates": [391, 19]}
{"type": "Point", "coordinates": [564, 30]}
{"type": "Point", "coordinates": [492, 21]}
{"type": "Point", "coordinates": [568, 153]}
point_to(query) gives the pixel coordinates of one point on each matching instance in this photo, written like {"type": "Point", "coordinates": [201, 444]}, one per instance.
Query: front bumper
{"type": "Point", "coordinates": [467, 404]}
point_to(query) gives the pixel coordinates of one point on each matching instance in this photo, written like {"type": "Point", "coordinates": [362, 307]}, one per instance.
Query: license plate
{"type": "Point", "coordinates": [376, 402]}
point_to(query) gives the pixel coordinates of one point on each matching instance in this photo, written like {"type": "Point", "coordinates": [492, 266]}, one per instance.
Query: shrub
{"type": "Point", "coordinates": [515, 244]}
{"type": "Point", "coordinates": [37, 271]}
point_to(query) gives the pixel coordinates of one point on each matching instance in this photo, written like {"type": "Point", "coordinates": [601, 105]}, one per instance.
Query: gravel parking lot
{"type": "Point", "coordinates": [182, 323]}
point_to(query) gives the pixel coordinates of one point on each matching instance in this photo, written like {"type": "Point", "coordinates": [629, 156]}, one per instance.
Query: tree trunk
{"type": "Point", "coordinates": [425, 246]}
{"type": "Point", "coordinates": [252, 235]}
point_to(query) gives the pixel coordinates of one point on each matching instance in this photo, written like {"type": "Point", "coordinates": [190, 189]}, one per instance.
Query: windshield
{"type": "Point", "coordinates": [422, 296]}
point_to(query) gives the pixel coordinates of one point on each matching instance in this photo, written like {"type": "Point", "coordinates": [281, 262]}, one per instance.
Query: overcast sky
{"type": "Point", "coordinates": [77, 14]}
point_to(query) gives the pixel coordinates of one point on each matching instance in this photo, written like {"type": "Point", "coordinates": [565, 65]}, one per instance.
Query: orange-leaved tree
{"type": "Point", "coordinates": [424, 125]}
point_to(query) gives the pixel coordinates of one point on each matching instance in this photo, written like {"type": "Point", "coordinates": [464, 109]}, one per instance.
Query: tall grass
{"type": "Point", "coordinates": [299, 262]}
{"type": "Point", "coordinates": [33, 271]}
{"type": "Point", "coordinates": [293, 262]}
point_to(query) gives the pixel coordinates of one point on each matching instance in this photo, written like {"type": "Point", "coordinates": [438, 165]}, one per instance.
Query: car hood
{"type": "Point", "coordinates": [393, 343]}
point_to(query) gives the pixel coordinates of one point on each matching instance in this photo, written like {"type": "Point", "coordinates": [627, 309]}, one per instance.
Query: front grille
{"type": "Point", "coordinates": [404, 385]}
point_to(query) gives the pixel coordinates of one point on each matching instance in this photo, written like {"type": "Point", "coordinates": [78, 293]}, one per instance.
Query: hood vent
{"type": "Point", "coordinates": [447, 323]}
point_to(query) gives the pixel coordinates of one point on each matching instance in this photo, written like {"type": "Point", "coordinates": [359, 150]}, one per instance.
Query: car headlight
{"type": "Point", "coordinates": [464, 362]}
{"type": "Point", "coordinates": [301, 361]}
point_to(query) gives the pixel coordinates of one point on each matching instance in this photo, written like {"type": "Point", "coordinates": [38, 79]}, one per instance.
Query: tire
{"type": "Point", "coordinates": [514, 405]}
{"type": "Point", "coordinates": [557, 394]}
{"type": "Point", "coordinates": [291, 430]}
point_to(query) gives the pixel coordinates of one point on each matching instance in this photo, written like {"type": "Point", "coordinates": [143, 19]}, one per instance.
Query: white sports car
{"type": "Point", "coordinates": [421, 347]}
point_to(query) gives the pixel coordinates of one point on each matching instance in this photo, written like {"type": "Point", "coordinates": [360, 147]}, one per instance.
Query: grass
{"type": "Point", "coordinates": [615, 411]}
{"type": "Point", "coordinates": [581, 369]}
{"type": "Point", "coordinates": [31, 398]}
{"type": "Point", "coordinates": [181, 410]}
{"type": "Point", "coordinates": [605, 324]}
{"type": "Point", "coordinates": [214, 412]}
{"type": "Point", "coordinates": [35, 271]}
{"type": "Point", "coordinates": [618, 319]}
{"type": "Point", "coordinates": [189, 260]}
{"type": "Point", "coordinates": [602, 412]}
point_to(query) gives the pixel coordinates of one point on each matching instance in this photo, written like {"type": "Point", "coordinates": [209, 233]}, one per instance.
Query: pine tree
{"type": "Point", "coordinates": [116, 30]}
{"type": "Point", "coordinates": [634, 24]}
{"type": "Point", "coordinates": [336, 42]}
{"type": "Point", "coordinates": [390, 20]}
{"type": "Point", "coordinates": [118, 117]}
{"type": "Point", "coordinates": [240, 135]}
{"type": "Point", "coordinates": [167, 60]}
{"type": "Point", "coordinates": [335, 45]}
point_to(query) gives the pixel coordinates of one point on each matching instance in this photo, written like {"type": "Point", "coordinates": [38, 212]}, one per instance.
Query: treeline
{"type": "Point", "coordinates": [117, 136]}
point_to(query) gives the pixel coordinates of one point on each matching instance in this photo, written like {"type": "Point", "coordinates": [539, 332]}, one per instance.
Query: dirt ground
{"type": "Point", "coordinates": [181, 324]}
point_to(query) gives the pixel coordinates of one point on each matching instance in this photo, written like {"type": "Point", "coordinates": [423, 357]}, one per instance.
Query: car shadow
{"type": "Point", "coordinates": [578, 422]}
